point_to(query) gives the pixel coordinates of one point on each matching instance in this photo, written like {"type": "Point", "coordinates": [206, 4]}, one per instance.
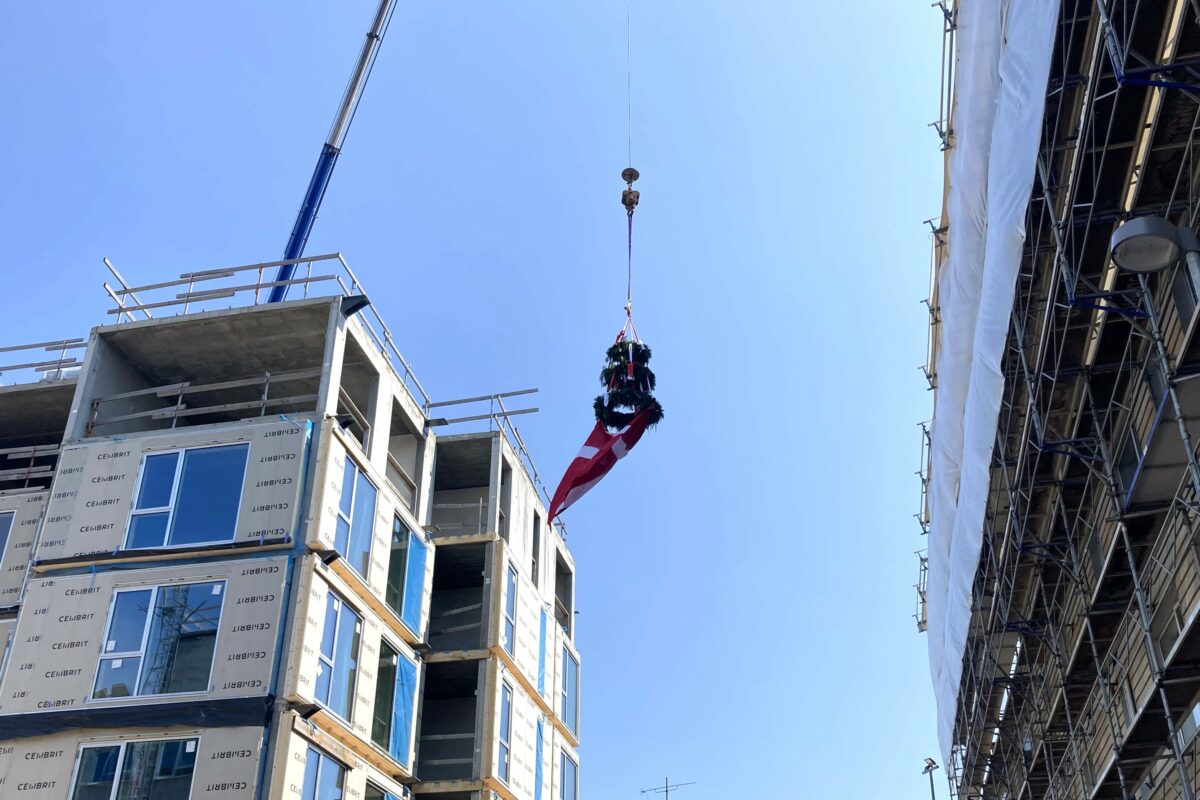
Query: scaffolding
{"type": "Point", "coordinates": [1081, 674]}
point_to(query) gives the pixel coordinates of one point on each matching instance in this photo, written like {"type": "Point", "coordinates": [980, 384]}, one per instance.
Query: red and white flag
{"type": "Point", "coordinates": [599, 454]}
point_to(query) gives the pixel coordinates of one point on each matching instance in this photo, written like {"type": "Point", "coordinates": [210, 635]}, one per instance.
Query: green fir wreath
{"type": "Point", "coordinates": [627, 392]}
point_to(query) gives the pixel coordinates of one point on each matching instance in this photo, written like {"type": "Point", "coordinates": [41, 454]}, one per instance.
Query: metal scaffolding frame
{"type": "Point", "coordinates": [1081, 673]}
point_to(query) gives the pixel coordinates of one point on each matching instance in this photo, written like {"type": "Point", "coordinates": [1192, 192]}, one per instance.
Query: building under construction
{"type": "Point", "coordinates": [245, 555]}
{"type": "Point", "coordinates": [1061, 588]}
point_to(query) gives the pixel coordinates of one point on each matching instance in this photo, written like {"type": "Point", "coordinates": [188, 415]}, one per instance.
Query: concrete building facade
{"type": "Point", "coordinates": [239, 561]}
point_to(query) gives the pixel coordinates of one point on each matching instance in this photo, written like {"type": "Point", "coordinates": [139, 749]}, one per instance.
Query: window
{"type": "Point", "coordinates": [356, 517]}
{"type": "Point", "coordinates": [6, 522]}
{"type": "Point", "coordinates": [140, 770]}
{"type": "Point", "coordinates": [395, 704]}
{"type": "Point", "coordinates": [568, 779]}
{"type": "Point", "coordinates": [537, 547]}
{"type": "Point", "coordinates": [1167, 622]}
{"type": "Point", "coordinates": [188, 497]}
{"type": "Point", "coordinates": [570, 691]}
{"type": "Point", "coordinates": [375, 793]}
{"type": "Point", "coordinates": [323, 777]}
{"type": "Point", "coordinates": [406, 575]}
{"type": "Point", "coordinates": [160, 640]}
{"type": "Point", "coordinates": [337, 663]}
{"type": "Point", "coordinates": [510, 610]}
{"type": "Point", "coordinates": [1190, 724]}
{"type": "Point", "coordinates": [506, 698]}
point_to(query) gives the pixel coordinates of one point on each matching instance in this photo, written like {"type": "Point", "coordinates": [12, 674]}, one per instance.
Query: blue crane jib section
{"type": "Point", "coordinates": [305, 219]}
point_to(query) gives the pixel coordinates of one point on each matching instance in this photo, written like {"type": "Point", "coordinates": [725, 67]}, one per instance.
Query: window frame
{"type": "Point", "coordinates": [358, 470]}
{"type": "Point", "coordinates": [174, 499]}
{"type": "Point", "coordinates": [504, 746]}
{"type": "Point", "coordinates": [562, 784]}
{"type": "Point", "coordinates": [146, 626]}
{"type": "Point", "coordinates": [415, 700]}
{"type": "Point", "coordinates": [4, 542]}
{"type": "Point", "coordinates": [536, 547]}
{"type": "Point", "coordinates": [123, 744]}
{"type": "Point", "coordinates": [331, 665]}
{"type": "Point", "coordinates": [322, 757]}
{"type": "Point", "coordinates": [563, 694]}
{"type": "Point", "coordinates": [510, 611]}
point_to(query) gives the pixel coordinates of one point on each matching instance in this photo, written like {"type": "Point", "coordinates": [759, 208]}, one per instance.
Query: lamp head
{"type": "Point", "coordinates": [1146, 244]}
{"type": "Point", "coordinates": [930, 766]}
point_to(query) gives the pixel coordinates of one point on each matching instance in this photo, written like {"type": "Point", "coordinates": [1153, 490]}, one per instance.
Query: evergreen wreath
{"type": "Point", "coordinates": [628, 385]}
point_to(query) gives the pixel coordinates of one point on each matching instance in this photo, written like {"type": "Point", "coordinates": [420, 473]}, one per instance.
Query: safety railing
{"type": "Point", "coordinates": [25, 363]}
{"type": "Point", "coordinates": [325, 275]}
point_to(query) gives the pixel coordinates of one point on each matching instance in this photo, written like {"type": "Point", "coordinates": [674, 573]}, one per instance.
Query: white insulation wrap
{"type": "Point", "coordinates": [1003, 60]}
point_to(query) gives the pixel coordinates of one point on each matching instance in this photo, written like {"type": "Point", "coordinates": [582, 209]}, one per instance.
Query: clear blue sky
{"type": "Point", "coordinates": [745, 577]}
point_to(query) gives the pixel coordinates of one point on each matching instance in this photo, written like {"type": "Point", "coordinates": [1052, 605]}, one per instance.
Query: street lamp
{"type": "Point", "coordinates": [1152, 244]}
{"type": "Point", "coordinates": [930, 766]}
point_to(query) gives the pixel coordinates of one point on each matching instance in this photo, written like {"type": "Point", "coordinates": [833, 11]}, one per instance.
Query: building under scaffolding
{"type": "Point", "coordinates": [1080, 646]}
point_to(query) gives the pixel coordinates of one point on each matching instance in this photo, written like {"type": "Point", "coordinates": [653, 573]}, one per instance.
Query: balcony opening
{"type": "Point", "coordinates": [564, 594]}
{"type": "Point", "coordinates": [405, 448]}
{"type": "Point", "coordinates": [203, 369]}
{"type": "Point", "coordinates": [33, 419]}
{"type": "Point", "coordinates": [457, 604]}
{"type": "Point", "coordinates": [356, 392]}
{"type": "Point", "coordinates": [448, 721]}
{"type": "Point", "coordinates": [461, 485]}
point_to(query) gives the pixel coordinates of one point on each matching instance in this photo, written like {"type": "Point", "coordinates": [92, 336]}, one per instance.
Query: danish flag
{"type": "Point", "coordinates": [599, 454]}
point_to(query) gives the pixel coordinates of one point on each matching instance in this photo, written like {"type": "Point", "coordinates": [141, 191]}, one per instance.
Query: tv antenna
{"type": "Point", "coordinates": [666, 788]}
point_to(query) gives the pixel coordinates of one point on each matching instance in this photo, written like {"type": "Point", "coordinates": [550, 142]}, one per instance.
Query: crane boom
{"type": "Point", "coordinates": [332, 148]}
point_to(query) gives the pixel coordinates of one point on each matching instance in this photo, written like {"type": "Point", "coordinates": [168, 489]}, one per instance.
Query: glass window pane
{"type": "Point", "coordinates": [397, 564]}
{"type": "Point", "coordinates": [312, 763]}
{"type": "Point", "coordinates": [504, 763]}
{"type": "Point", "coordinates": [147, 530]}
{"type": "Point", "coordinates": [385, 696]}
{"type": "Point", "coordinates": [375, 793]}
{"type": "Point", "coordinates": [183, 633]}
{"type": "Point", "coordinates": [341, 536]}
{"type": "Point", "coordinates": [96, 773]}
{"type": "Point", "coordinates": [117, 677]}
{"type": "Point", "coordinates": [157, 770]}
{"type": "Point", "coordinates": [414, 592]}
{"type": "Point", "coordinates": [404, 715]}
{"type": "Point", "coordinates": [362, 526]}
{"type": "Point", "coordinates": [569, 783]}
{"type": "Point", "coordinates": [570, 691]}
{"type": "Point", "coordinates": [330, 779]}
{"type": "Point", "coordinates": [332, 604]}
{"type": "Point", "coordinates": [6, 521]}
{"type": "Point", "coordinates": [128, 622]}
{"type": "Point", "coordinates": [505, 713]}
{"type": "Point", "coordinates": [158, 476]}
{"type": "Point", "coordinates": [210, 491]}
{"type": "Point", "coordinates": [324, 671]}
{"type": "Point", "coordinates": [346, 500]}
{"type": "Point", "coordinates": [345, 664]}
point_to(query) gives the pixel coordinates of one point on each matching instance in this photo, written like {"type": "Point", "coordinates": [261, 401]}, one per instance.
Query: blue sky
{"type": "Point", "coordinates": [745, 577]}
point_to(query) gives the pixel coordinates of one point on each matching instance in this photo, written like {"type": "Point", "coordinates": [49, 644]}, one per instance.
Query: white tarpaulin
{"type": "Point", "coordinates": [1002, 63]}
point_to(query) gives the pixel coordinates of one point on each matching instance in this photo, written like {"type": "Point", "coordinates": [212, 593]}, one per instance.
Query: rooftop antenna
{"type": "Point", "coordinates": [666, 788]}
{"type": "Point", "coordinates": [331, 150]}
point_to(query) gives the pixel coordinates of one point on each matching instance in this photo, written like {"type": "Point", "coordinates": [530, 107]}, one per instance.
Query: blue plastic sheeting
{"type": "Point", "coordinates": [537, 764]}
{"type": "Point", "coordinates": [404, 711]}
{"type": "Point", "coordinates": [414, 583]}
{"type": "Point", "coordinates": [542, 656]}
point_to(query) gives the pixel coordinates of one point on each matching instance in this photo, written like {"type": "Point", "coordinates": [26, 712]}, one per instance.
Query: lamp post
{"type": "Point", "coordinates": [930, 766]}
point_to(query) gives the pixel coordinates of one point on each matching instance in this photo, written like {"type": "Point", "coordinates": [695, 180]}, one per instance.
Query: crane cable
{"type": "Point", "coordinates": [629, 196]}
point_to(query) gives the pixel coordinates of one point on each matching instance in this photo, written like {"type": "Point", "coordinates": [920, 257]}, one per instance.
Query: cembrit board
{"type": "Point", "coordinates": [26, 508]}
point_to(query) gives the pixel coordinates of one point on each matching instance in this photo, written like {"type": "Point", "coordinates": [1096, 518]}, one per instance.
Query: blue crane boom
{"type": "Point", "coordinates": [332, 149]}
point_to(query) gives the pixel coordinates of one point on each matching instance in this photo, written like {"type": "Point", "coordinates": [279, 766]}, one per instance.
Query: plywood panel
{"type": "Point", "coordinates": [58, 640]}
{"type": "Point", "coordinates": [95, 483]}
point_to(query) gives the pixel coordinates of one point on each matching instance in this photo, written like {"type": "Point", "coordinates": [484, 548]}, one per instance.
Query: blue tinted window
{"type": "Point", "coordinates": [397, 566]}
{"type": "Point", "coordinates": [404, 714]}
{"type": "Point", "coordinates": [96, 773]}
{"type": "Point", "coordinates": [148, 530]}
{"type": "Point", "coordinates": [505, 731]}
{"type": "Point", "coordinates": [570, 691]}
{"type": "Point", "coordinates": [356, 518]}
{"type": "Point", "coordinates": [569, 780]}
{"type": "Point", "coordinates": [210, 491]}
{"type": "Point", "coordinates": [510, 610]}
{"type": "Point", "coordinates": [414, 583]}
{"type": "Point", "coordinates": [152, 770]}
{"type": "Point", "coordinates": [128, 621]}
{"type": "Point", "coordinates": [158, 478]}
{"type": "Point", "coordinates": [6, 521]}
{"type": "Point", "coordinates": [323, 777]}
{"type": "Point", "coordinates": [337, 663]}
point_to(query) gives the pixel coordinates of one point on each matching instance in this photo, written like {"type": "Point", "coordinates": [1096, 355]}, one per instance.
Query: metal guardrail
{"type": "Point", "coordinates": [325, 275]}
{"type": "Point", "coordinates": [27, 365]}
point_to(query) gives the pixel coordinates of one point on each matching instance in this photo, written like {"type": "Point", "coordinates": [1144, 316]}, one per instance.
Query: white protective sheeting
{"type": "Point", "coordinates": [1003, 60]}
